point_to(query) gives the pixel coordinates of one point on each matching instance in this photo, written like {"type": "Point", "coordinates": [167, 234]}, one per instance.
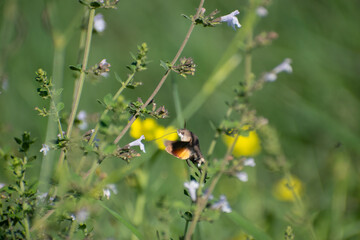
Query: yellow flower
{"type": "Point", "coordinates": [152, 131]}
{"type": "Point", "coordinates": [160, 133]}
{"type": "Point", "coordinates": [145, 128]}
{"type": "Point", "coordinates": [245, 145]}
{"type": "Point", "coordinates": [285, 189]}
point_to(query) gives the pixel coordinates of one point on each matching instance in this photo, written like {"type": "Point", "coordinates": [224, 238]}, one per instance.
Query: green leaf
{"type": "Point", "coordinates": [17, 140]}
{"type": "Point", "coordinates": [108, 100]}
{"type": "Point", "coordinates": [117, 77]}
{"type": "Point", "coordinates": [60, 106]}
{"type": "Point", "coordinates": [95, 4]}
{"type": "Point", "coordinates": [247, 226]}
{"type": "Point", "coordinates": [75, 68]}
{"type": "Point", "coordinates": [164, 65]}
{"type": "Point", "coordinates": [123, 221]}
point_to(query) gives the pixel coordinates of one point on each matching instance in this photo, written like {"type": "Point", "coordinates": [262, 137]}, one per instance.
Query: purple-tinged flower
{"type": "Point", "coordinates": [222, 204]}
{"type": "Point", "coordinates": [2, 185]}
{"type": "Point", "coordinates": [242, 176]}
{"type": "Point", "coordinates": [63, 133]}
{"type": "Point", "coordinates": [138, 142]}
{"type": "Point", "coordinates": [109, 188]}
{"type": "Point", "coordinates": [231, 19]}
{"type": "Point", "coordinates": [249, 162]}
{"type": "Point", "coordinates": [282, 67]}
{"type": "Point", "coordinates": [82, 215]}
{"type": "Point", "coordinates": [106, 193]}
{"type": "Point", "coordinates": [99, 23]}
{"type": "Point", "coordinates": [45, 148]}
{"type": "Point", "coordinates": [82, 118]}
{"type": "Point", "coordinates": [192, 186]}
{"type": "Point", "coordinates": [262, 11]}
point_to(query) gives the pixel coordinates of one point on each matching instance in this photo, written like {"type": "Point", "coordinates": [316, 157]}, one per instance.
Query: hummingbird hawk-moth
{"type": "Point", "coordinates": [187, 148]}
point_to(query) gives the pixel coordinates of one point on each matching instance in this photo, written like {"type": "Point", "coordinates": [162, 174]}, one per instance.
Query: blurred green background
{"type": "Point", "coordinates": [315, 110]}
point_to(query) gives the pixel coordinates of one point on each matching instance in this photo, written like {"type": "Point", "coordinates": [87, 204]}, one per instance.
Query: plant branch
{"type": "Point", "coordinates": [126, 128]}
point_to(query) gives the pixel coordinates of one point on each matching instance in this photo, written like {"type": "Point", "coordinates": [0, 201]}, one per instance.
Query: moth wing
{"type": "Point", "coordinates": [178, 149]}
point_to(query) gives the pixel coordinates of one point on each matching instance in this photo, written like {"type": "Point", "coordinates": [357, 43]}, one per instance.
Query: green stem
{"type": "Point", "coordinates": [186, 227]}
{"type": "Point", "coordinates": [202, 200]}
{"type": "Point", "coordinates": [80, 82]}
{"type": "Point", "coordinates": [248, 60]}
{"type": "Point", "coordinates": [27, 229]}
{"type": "Point", "coordinates": [116, 96]}
{"type": "Point", "coordinates": [158, 87]}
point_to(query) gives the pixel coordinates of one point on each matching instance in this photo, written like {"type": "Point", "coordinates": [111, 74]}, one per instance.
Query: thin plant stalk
{"type": "Point", "coordinates": [202, 200]}
{"type": "Point", "coordinates": [158, 87]}
{"type": "Point", "coordinates": [78, 90]}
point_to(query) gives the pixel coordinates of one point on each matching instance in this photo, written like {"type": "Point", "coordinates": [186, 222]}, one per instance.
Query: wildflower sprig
{"type": "Point", "coordinates": [137, 107]}
{"type": "Point", "coordinates": [47, 92]}
{"type": "Point", "coordinates": [206, 21]}
{"type": "Point", "coordinates": [185, 67]}
{"type": "Point", "coordinates": [116, 103]}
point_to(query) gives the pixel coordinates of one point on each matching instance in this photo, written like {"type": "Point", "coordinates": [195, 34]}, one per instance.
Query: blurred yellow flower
{"type": "Point", "coordinates": [152, 131]}
{"type": "Point", "coordinates": [143, 127]}
{"type": "Point", "coordinates": [160, 131]}
{"type": "Point", "coordinates": [285, 189]}
{"type": "Point", "coordinates": [245, 145]}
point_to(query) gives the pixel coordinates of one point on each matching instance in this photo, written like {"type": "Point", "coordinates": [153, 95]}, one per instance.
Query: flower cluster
{"type": "Point", "coordinates": [186, 67]}
{"type": "Point", "coordinates": [282, 67]}
{"type": "Point", "coordinates": [221, 204]}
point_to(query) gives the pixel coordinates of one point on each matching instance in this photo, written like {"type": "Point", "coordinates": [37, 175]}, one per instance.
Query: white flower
{"type": "Point", "coordinates": [106, 193]}
{"type": "Point", "coordinates": [211, 197]}
{"type": "Point", "coordinates": [108, 189]}
{"type": "Point", "coordinates": [82, 215]}
{"type": "Point", "coordinates": [270, 77]}
{"type": "Point", "coordinates": [192, 186]}
{"type": "Point", "coordinates": [242, 176]}
{"type": "Point", "coordinates": [73, 217]}
{"type": "Point", "coordinates": [222, 204]}
{"type": "Point", "coordinates": [2, 185]}
{"type": "Point", "coordinates": [59, 135]}
{"type": "Point", "coordinates": [99, 23]}
{"type": "Point", "coordinates": [112, 187]}
{"type": "Point", "coordinates": [138, 142]}
{"type": "Point", "coordinates": [249, 162]}
{"type": "Point", "coordinates": [105, 74]}
{"type": "Point", "coordinates": [282, 67]}
{"type": "Point", "coordinates": [82, 117]}
{"type": "Point", "coordinates": [261, 11]}
{"type": "Point", "coordinates": [45, 148]}
{"type": "Point", "coordinates": [231, 20]}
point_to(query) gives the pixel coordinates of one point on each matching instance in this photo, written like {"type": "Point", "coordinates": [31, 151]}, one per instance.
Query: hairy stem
{"type": "Point", "coordinates": [126, 128]}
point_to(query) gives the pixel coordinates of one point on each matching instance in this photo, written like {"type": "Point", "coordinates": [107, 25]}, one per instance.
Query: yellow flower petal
{"type": "Point", "coordinates": [136, 129]}
{"type": "Point", "coordinates": [285, 189]}
{"type": "Point", "coordinates": [245, 145]}
{"type": "Point", "coordinates": [161, 132]}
